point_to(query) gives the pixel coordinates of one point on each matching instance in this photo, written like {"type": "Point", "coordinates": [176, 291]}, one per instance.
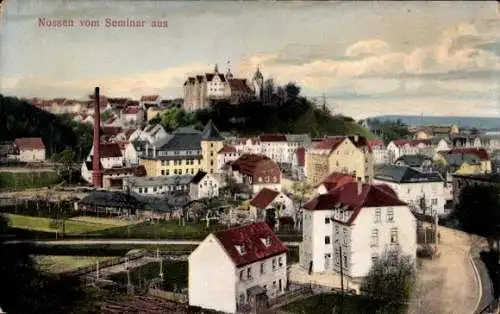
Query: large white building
{"type": "Point", "coordinates": [352, 226]}
{"type": "Point", "coordinates": [237, 268]}
{"type": "Point", "coordinates": [423, 191]}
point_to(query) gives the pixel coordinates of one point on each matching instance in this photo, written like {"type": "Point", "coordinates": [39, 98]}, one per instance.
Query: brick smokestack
{"type": "Point", "coordinates": [96, 158]}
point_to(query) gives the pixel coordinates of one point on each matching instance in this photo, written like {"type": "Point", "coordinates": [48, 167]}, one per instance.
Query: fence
{"type": "Point", "coordinates": [167, 295]}
{"type": "Point", "coordinates": [108, 263]}
{"type": "Point", "coordinates": [299, 290]}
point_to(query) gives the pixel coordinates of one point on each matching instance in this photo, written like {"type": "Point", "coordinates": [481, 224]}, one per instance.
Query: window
{"type": "Point", "coordinates": [140, 190]}
{"type": "Point", "coordinates": [280, 286]}
{"type": "Point", "coordinates": [374, 258]}
{"type": "Point", "coordinates": [262, 268]}
{"type": "Point", "coordinates": [327, 240]}
{"type": "Point", "coordinates": [337, 230]}
{"type": "Point", "coordinates": [211, 145]}
{"type": "Point", "coordinates": [211, 162]}
{"type": "Point", "coordinates": [163, 172]}
{"type": "Point", "coordinates": [390, 214]}
{"type": "Point", "coordinates": [167, 172]}
{"type": "Point", "coordinates": [241, 275]}
{"type": "Point", "coordinates": [280, 261]}
{"type": "Point", "coordinates": [345, 236]}
{"type": "Point", "coordinates": [242, 298]}
{"type": "Point", "coordinates": [378, 215]}
{"type": "Point", "coordinates": [211, 153]}
{"type": "Point", "coordinates": [327, 220]}
{"type": "Point", "coordinates": [249, 273]}
{"type": "Point", "coordinates": [434, 201]}
{"type": "Point", "coordinates": [374, 237]}
{"type": "Point", "coordinates": [345, 264]}
{"type": "Point", "coordinates": [274, 263]}
{"type": "Point", "coordinates": [394, 235]}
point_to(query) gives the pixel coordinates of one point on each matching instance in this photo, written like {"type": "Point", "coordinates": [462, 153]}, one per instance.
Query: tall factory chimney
{"type": "Point", "coordinates": [96, 158]}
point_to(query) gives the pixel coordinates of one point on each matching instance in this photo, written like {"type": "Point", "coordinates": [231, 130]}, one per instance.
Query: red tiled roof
{"type": "Point", "coordinates": [257, 166]}
{"type": "Point", "coordinates": [330, 143]}
{"type": "Point", "coordinates": [272, 138]}
{"type": "Point", "coordinates": [150, 98]}
{"type": "Point", "coordinates": [336, 179]}
{"type": "Point", "coordinates": [301, 156]}
{"type": "Point", "coordinates": [347, 194]}
{"type": "Point", "coordinates": [480, 153]}
{"type": "Point", "coordinates": [239, 85]}
{"type": "Point", "coordinates": [376, 143]}
{"type": "Point", "coordinates": [132, 103]}
{"type": "Point", "coordinates": [29, 143]}
{"type": "Point", "coordinates": [227, 149]}
{"type": "Point", "coordinates": [110, 130]}
{"type": "Point", "coordinates": [264, 198]}
{"type": "Point", "coordinates": [250, 237]}
{"type": "Point", "coordinates": [131, 110]}
{"type": "Point", "coordinates": [109, 150]}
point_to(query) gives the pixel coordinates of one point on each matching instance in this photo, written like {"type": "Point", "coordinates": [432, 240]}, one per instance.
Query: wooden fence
{"type": "Point", "coordinates": [168, 295]}
{"type": "Point", "coordinates": [108, 263]}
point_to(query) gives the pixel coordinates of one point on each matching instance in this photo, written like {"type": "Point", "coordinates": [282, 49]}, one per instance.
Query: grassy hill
{"type": "Point", "coordinates": [18, 118]}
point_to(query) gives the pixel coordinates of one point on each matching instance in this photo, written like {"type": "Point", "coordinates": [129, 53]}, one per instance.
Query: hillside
{"type": "Point", "coordinates": [296, 115]}
{"type": "Point", "coordinates": [18, 118]}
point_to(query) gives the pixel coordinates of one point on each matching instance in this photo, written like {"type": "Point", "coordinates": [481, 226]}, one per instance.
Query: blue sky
{"type": "Point", "coordinates": [439, 58]}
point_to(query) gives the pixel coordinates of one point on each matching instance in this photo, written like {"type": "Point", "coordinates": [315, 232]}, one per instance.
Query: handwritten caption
{"type": "Point", "coordinates": [95, 23]}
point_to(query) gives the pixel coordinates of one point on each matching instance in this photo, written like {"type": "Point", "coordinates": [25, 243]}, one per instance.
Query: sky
{"type": "Point", "coordinates": [367, 58]}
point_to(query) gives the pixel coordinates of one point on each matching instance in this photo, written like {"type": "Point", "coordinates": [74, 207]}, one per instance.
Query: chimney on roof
{"type": "Point", "coordinates": [96, 158]}
{"type": "Point", "coordinates": [360, 187]}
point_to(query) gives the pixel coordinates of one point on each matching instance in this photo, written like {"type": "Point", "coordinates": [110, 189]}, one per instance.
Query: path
{"type": "Point", "coordinates": [116, 242]}
{"type": "Point", "coordinates": [449, 283]}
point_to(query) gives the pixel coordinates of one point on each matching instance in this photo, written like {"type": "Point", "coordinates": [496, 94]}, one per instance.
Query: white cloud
{"type": "Point", "coordinates": [374, 47]}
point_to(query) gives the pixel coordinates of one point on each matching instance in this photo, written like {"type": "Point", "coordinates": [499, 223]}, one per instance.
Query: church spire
{"type": "Point", "coordinates": [216, 68]}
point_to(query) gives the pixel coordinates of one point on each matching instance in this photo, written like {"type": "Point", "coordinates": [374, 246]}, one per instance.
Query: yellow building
{"type": "Point", "coordinates": [180, 154]}
{"type": "Point", "coordinates": [153, 112]}
{"type": "Point", "coordinates": [211, 143]}
{"type": "Point", "coordinates": [462, 163]}
{"type": "Point", "coordinates": [339, 154]}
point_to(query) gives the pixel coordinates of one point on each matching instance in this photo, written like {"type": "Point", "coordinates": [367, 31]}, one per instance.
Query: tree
{"type": "Point", "coordinates": [389, 130]}
{"type": "Point", "coordinates": [292, 92]}
{"type": "Point", "coordinates": [155, 120]}
{"type": "Point", "coordinates": [175, 118]}
{"type": "Point", "coordinates": [60, 214]}
{"type": "Point", "coordinates": [391, 279]}
{"type": "Point", "coordinates": [478, 210]}
{"type": "Point", "coordinates": [66, 158]}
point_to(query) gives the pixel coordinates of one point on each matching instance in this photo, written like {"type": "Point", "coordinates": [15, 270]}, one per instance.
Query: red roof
{"type": "Point", "coordinates": [150, 98]}
{"type": "Point", "coordinates": [376, 143]}
{"type": "Point", "coordinates": [109, 150]}
{"type": "Point", "coordinates": [258, 167]}
{"type": "Point", "coordinates": [29, 143]}
{"type": "Point", "coordinates": [480, 153]}
{"type": "Point", "coordinates": [330, 143]}
{"type": "Point", "coordinates": [110, 130]}
{"type": "Point", "coordinates": [272, 138]}
{"type": "Point", "coordinates": [336, 179]}
{"type": "Point", "coordinates": [347, 194]}
{"type": "Point", "coordinates": [131, 110]}
{"type": "Point", "coordinates": [301, 156]}
{"type": "Point", "coordinates": [250, 237]}
{"type": "Point", "coordinates": [264, 198]}
{"type": "Point", "coordinates": [239, 85]}
{"type": "Point", "coordinates": [227, 149]}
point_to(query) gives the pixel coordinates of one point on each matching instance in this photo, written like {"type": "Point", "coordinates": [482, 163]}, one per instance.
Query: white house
{"type": "Point", "coordinates": [133, 150]}
{"type": "Point", "coordinates": [352, 226]}
{"type": "Point", "coordinates": [398, 148]}
{"type": "Point", "coordinates": [28, 149]}
{"type": "Point", "coordinates": [203, 185]}
{"type": "Point", "coordinates": [151, 133]}
{"type": "Point", "coordinates": [379, 151]}
{"type": "Point", "coordinates": [226, 155]}
{"type": "Point", "coordinates": [132, 115]}
{"type": "Point", "coordinates": [237, 268]}
{"type": "Point", "coordinates": [247, 146]}
{"type": "Point", "coordinates": [267, 199]}
{"type": "Point", "coordinates": [111, 155]}
{"type": "Point", "coordinates": [423, 191]}
{"type": "Point", "coordinates": [155, 186]}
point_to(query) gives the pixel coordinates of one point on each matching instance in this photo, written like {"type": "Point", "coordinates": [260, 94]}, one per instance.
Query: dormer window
{"type": "Point", "coordinates": [266, 241]}
{"type": "Point", "coordinates": [241, 249]}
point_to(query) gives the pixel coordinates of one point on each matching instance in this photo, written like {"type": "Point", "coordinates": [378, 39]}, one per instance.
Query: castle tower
{"type": "Point", "coordinates": [258, 84]}
{"type": "Point", "coordinates": [229, 75]}
{"type": "Point", "coordinates": [211, 143]}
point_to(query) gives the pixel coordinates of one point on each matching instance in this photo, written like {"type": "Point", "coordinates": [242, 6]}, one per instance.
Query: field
{"type": "Point", "coordinates": [11, 181]}
{"type": "Point", "coordinates": [331, 303]}
{"type": "Point", "coordinates": [76, 225]}
{"type": "Point", "coordinates": [59, 264]}
{"type": "Point", "coordinates": [175, 275]}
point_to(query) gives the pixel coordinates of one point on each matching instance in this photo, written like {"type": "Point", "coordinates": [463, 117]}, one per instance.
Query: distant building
{"type": "Point", "coordinates": [238, 269]}
{"type": "Point", "coordinates": [256, 172]}
{"type": "Point", "coordinates": [203, 185]}
{"type": "Point", "coordinates": [155, 186]}
{"type": "Point", "coordinates": [28, 149]}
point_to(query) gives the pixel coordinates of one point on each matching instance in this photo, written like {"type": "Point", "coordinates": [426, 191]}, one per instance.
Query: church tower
{"type": "Point", "coordinates": [258, 84]}
{"type": "Point", "coordinates": [229, 75]}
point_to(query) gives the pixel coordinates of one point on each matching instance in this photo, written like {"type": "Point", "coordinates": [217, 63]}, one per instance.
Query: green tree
{"type": "Point", "coordinates": [66, 158]}
{"type": "Point", "coordinates": [478, 210]}
{"type": "Point", "coordinates": [390, 280]}
{"type": "Point", "coordinates": [106, 115]}
{"type": "Point", "coordinates": [174, 118]}
{"type": "Point", "coordinates": [155, 120]}
{"type": "Point", "coordinates": [389, 130]}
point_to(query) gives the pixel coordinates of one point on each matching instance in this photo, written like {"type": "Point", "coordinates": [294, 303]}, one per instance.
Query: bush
{"type": "Point", "coordinates": [426, 251]}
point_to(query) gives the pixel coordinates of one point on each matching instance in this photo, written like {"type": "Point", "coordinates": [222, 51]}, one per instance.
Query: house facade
{"type": "Point", "coordinates": [28, 149]}
{"type": "Point", "coordinates": [267, 199]}
{"type": "Point", "coordinates": [343, 154]}
{"type": "Point", "coordinates": [352, 226]}
{"type": "Point", "coordinates": [424, 192]}
{"type": "Point", "coordinates": [226, 154]}
{"type": "Point", "coordinates": [237, 269]}
{"type": "Point", "coordinates": [156, 186]}
{"type": "Point", "coordinates": [132, 115]}
{"type": "Point", "coordinates": [379, 151]}
{"type": "Point", "coordinates": [203, 185]}
{"type": "Point", "coordinates": [211, 143]}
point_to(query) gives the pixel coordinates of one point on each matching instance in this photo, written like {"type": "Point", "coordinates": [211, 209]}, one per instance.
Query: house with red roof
{"type": "Point", "coordinates": [268, 199]}
{"type": "Point", "coordinates": [401, 147]}
{"type": "Point", "coordinates": [346, 154]}
{"type": "Point", "coordinates": [238, 269]}
{"type": "Point", "coordinates": [132, 115]}
{"type": "Point", "coordinates": [333, 181]}
{"type": "Point", "coordinates": [349, 227]}
{"type": "Point", "coordinates": [227, 154]}
{"type": "Point", "coordinates": [257, 172]}
{"type": "Point", "coordinates": [480, 153]}
{"type": "Point", "coordinates": [28, 149]}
